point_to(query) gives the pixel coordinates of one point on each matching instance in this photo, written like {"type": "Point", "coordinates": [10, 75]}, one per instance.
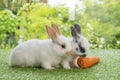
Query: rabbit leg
{"type": "Point", "coordinates": [66, 64]}
{"type": "Point", "coordinates": [47, 66]}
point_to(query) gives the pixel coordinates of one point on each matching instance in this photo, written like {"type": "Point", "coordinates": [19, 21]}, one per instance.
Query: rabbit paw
{"type": "Point", "coordinates": [47, 66]}
{"type": "Point", "coordinates": [66, 65]}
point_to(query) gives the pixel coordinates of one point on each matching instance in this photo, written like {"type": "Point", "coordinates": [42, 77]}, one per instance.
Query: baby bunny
{"type": "Point", "coordinates": [44, 53]}
{"type": "Point", "coordinates": [80, 46]}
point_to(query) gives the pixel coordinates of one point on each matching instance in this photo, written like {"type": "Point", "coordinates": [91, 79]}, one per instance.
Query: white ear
{"type": "Point", "coordinates": [55, 27]}
{"type": "Point", "coordinates": [51, 32]}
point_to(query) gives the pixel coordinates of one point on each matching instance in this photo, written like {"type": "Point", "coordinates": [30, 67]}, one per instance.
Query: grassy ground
{"type": "Point", "coordinates": [107, 69]}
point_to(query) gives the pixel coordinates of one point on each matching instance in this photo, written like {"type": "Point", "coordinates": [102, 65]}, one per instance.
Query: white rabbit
{"type": "Point", "coordinates": [80, 46]}
{"type": "Point", "coordinates": [45, 53]}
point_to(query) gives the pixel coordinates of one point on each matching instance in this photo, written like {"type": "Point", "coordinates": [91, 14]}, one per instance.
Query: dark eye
{"type": "Point", "coordinates": [77, 49]}
{"type": "Point", "coordinates": [76, 41]}
{"type": "Point", "coordinates": [63, 45]}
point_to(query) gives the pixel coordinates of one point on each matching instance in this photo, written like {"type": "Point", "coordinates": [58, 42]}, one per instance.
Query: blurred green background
{"type": "Point", "coordinates": [21, 20]}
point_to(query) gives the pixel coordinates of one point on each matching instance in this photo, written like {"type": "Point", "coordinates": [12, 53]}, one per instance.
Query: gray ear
{"type": "Point", "coordinates": [74, 32]}
{"type": "Point", "coordinates": [78, 28]}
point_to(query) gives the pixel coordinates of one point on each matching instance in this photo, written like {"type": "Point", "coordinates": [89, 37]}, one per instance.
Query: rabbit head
{"type": "Point", "coordinates": [62, 44]}
{"type": "Point", "coordinates": [79, 43]}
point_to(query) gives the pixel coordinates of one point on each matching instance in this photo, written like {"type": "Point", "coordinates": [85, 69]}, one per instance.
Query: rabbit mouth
{"type": "Point", "coordinates": [69, 53]}
{"type": "Point", "coordinates": [84, 55]}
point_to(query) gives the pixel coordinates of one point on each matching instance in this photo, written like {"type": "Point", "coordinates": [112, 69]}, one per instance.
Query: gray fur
{"type": "Point", "coordinates": [82, 44]}
{"type": "Point", "coordinates": [78, 28]}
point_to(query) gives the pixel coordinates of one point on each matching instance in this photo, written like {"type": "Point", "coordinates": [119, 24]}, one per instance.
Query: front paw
{"type": "Point", "coordinates": [66, 67]}
{"type": "Point", "coordinates": [50, 68]}
{"type": "Point", "coordinates": [47, 66]}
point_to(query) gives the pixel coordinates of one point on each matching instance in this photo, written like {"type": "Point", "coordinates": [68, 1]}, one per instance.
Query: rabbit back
{"type": "Point", "coordinates": [33, 53]}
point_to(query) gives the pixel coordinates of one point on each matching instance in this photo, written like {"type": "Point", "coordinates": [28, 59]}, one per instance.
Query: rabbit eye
{"type": "Point", "coordinates": [76, 41]}
{"type": "Point", "coordinates": [63, 45]}
{"type": "Point", "coordinates": [77, 49]}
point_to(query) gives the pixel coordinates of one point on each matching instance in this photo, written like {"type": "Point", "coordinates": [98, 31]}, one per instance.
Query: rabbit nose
{"type": "Point", "coordinates": [69, 52]}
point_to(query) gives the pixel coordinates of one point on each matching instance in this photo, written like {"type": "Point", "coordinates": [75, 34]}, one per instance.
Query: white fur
{"type": "Point", "coordinates": [79, 43]}
{"type": "Point", "coordinates": [44, 53]}
{"type": "Point", "coordinates": [71, 60]}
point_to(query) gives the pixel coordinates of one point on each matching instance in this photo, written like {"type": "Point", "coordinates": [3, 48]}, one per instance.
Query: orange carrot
{"type": "Point", "coordinates": [87, 62]}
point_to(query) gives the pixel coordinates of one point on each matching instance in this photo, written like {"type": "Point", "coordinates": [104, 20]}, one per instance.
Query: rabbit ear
{"type": "Point", "coordinates": [51, 32]}
{"type": "Point", "coordinates": [78, 29]}
{"type": "Point", "coordinates": [74, 32]}
{"type": "Point", "coordinates": [55, 27]}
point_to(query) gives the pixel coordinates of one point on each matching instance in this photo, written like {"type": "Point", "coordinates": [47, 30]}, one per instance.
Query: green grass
{"type": "Point", "coordinates": [107, 69]}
